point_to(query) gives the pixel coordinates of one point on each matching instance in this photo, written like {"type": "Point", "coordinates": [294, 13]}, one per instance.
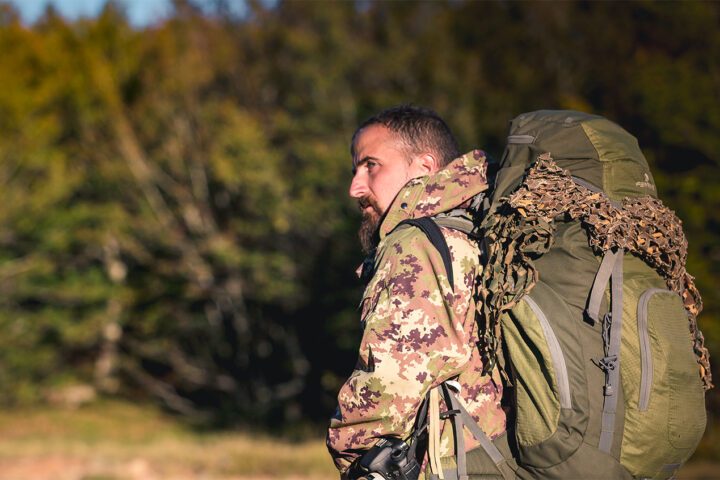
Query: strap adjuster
{"type": "Point", "coordinates": [449, 413]}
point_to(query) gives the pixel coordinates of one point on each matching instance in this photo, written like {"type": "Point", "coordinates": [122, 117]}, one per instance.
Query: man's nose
{"type": "Point", "coordinates": [358, 187]}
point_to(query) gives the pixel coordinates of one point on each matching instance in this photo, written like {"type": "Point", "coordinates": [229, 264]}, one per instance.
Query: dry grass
{"type": "Point", "coordinates": [115, 441]}
{"type": "Point", "coordinates": [119, 441]}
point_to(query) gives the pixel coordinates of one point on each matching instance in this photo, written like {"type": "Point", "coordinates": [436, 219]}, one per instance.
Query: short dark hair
{"type": "Point", "coordinates": [420, 129]}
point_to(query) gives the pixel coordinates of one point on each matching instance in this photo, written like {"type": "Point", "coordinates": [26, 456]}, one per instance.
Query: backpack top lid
{"type": "Point", "coordinates": [590, 147]}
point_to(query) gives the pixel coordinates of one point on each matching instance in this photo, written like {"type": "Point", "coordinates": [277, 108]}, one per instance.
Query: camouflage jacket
{"type": "Point", "coordinates": [417, 331]}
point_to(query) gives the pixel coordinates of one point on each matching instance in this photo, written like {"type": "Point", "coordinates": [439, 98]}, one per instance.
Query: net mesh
{"type": "Point", "coordinates": [521, 230]}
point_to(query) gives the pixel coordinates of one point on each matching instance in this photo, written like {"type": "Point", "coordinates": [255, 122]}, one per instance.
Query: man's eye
{"type": "Point", "coordinates": [370, 165]}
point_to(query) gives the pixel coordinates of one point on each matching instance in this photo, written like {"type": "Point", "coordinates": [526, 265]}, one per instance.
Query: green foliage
{"type": "Point", "coordinates": [175, 218]}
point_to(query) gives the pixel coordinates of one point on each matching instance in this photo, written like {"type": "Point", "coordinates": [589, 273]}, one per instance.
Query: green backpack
{"type": "Point", "coordinates": [588, 308]}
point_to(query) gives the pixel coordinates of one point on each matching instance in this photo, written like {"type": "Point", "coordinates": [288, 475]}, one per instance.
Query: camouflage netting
{"type": "Point", "coordinates": [522, 229]}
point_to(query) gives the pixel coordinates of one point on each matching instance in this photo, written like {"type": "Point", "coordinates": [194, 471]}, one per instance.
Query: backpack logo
{"type": "Point", "coordinates": [646, 183]}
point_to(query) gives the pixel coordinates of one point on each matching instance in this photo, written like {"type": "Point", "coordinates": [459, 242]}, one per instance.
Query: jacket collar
{"type": "Point", "coordinates": [456, 183]}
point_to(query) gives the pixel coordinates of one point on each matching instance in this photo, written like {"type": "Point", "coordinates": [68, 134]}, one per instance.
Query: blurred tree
{"type": "Point", "coordinates": [176, 222]}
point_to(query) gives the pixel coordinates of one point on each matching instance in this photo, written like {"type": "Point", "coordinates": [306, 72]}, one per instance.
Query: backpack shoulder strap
{"type": "Point", "coordinates": [434, 234]}
{"type": "Point", "coordinates": [430, 226]}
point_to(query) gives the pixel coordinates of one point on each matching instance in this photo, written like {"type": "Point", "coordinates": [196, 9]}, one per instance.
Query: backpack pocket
{"type": "Point", "coordinates": [665, 409]}
{"type": "Point", "coordinates": [550, 385]}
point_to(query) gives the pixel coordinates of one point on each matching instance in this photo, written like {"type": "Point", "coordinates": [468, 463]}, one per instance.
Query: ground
{"type": "Point", "coordinates": [120, 441]}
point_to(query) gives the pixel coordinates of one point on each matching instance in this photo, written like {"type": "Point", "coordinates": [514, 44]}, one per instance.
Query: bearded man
{"type": "Point", "coordinates": [418, 315]}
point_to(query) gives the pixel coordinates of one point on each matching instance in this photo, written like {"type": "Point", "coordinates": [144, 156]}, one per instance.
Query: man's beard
{"type": "Point", "coordinates": [369, 228]}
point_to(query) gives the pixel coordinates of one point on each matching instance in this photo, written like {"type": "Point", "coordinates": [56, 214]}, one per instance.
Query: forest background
{"type": "Point", "coordinates": [175, 226]}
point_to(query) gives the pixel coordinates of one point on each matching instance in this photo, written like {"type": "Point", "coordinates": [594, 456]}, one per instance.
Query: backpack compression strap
{"type": "Point", "coordinates": [611, 268]}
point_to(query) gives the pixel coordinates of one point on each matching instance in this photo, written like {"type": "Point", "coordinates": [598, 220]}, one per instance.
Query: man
{"type": "Point", "coordinates": [419, 327]}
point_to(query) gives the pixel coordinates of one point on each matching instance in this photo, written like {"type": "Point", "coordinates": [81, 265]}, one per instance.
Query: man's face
{"type": "Point", "coordinates": [381, 167]}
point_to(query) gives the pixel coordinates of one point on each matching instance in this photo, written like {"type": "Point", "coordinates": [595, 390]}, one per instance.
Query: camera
{"type": "Point", "coordinates": [389, 459]}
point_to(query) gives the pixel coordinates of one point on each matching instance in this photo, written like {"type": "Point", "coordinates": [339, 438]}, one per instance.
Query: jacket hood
{"type": "Point", "coordinates": [448, 188]}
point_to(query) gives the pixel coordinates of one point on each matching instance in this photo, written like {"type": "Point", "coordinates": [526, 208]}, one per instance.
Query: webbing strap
{"type": "Point", "coordinates": [612, 372]}
{"type": "Point", "coordinates": [434, 234]}
{"type": "Point", "coordinates": [456, 222]}
{"type": "Point", "coordinates": [460, 455]}
{"type": "Point", "coordinates": [421, 424]}
{"type": "Point", "coordinates": [601, 280]}
{"type": "Point", "coordinates": [477, 432]}
{"type": "Point", "coordinates": [434, 434]}
{"type": "Point", "coordinates": [460, 448]}
{"type": "Point", "coordinates": [595, 189]}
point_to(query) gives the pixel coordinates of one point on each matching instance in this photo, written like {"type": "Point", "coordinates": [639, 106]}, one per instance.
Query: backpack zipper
{"type": "Point", "coordinates": [646, 372]}
{"type": "Point", "coordinates": [561, 375]}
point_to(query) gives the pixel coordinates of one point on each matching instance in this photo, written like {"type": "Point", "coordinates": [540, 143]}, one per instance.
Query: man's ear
{"type": "Point", "coordinates": [425, 164]}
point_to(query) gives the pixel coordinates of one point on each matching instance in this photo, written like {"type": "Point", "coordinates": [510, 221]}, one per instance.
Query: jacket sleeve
{"type": "Point", "coordinates": [417, 333]}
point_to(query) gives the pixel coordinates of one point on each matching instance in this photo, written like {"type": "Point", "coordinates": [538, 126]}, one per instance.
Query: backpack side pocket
{"type": "Point", "coordinates": [665, 411]}
{"type": "Point", "coordinates": [550, 383]}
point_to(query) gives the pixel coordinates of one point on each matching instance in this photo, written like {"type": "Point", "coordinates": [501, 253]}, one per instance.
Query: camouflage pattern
{"type": "Point", "coordinates": [522, 228]}
{"type": "Point", "coordinates": [418, 332]}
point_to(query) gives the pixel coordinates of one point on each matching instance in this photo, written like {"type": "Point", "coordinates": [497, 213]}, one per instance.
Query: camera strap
{"type": "Point", "coordinates": [420, 427]}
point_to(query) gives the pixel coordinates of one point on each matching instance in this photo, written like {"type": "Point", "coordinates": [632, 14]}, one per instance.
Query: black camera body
{"type": "Point", "coordinates": [392, 459]}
